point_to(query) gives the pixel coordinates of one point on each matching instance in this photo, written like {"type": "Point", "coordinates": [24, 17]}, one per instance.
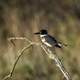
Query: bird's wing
{"type": "Point", "coordinates": [51, 40]}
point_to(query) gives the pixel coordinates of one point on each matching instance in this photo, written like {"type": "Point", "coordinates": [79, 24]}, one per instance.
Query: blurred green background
{"type": "Point", "coordinates": [24, 17]}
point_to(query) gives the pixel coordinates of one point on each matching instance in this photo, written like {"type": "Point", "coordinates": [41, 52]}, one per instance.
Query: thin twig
{"type": "Point", "coordinates": [19, 38]}
{"type": "Point", "coordinates": [57, 61]}
{"type": "Point", "coordinates": [61, 67]}
{"type": "Point", "coordinates": [47, 51]}
{"type": "Point", "coordinates": [20, 54]}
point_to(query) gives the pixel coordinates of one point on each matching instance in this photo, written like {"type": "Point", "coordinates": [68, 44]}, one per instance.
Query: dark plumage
{"type": "Point", "coordinates": [52, 41]}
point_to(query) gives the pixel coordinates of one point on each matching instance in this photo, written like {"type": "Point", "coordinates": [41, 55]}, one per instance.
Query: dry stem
{"type": "Point", "coordinates": [57, 61]}
{"type": "Point", "coordinates": [20, 54]}
{"type": "Point", "coordinates": [19, 38]}
{"type": "Point", "coordinates": [47, 51]}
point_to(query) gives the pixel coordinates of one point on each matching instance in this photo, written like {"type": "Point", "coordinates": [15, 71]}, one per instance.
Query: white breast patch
{"type": "Point", "coordinates": [47, 44]}
{"type": "Point", "coordinates": [44, 41]}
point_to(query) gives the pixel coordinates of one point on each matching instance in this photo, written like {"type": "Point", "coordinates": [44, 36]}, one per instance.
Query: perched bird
{"type": "Point", "coordinates": [48, 40]}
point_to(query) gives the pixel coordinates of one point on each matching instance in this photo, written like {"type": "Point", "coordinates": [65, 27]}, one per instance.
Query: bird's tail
{"type": "Point", "coordinates": [61, 45]}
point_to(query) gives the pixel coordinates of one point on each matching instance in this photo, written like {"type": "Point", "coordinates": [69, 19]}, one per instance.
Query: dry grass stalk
{"type": "Point", "coordinates": [51, 55]}
{"type": "Point", "coordinates": [57, 61]}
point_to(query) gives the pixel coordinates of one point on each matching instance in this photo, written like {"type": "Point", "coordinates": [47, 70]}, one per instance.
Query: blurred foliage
{"type": "Point", "coordinates": [23, 18]}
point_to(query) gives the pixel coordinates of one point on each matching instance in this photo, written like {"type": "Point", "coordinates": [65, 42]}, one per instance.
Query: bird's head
{"type": "Point", "coordinates": [42, 32]}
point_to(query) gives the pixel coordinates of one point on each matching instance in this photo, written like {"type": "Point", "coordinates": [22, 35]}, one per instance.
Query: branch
{"type": "Point", "coordinates": [47, 51]}
{"type": "Point", "coordinates": [57, 61]}
{"type": "Point", "coordinates": [20, 54]}
{"type": "Point", "coordinates": [19, 38]}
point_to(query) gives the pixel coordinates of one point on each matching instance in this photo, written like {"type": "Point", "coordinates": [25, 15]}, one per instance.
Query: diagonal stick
{"type": "Point", "coordinates": [20, 54]}
{"type": "Point", "coordinates": [57, 61]}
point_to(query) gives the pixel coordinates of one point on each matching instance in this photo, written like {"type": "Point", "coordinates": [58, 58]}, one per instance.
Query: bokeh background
{"type": "Point", "coordinates": [24, 17]}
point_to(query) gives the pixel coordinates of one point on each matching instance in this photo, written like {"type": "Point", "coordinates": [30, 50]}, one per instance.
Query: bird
{"type": "Point", "coordinates": [49, 40]}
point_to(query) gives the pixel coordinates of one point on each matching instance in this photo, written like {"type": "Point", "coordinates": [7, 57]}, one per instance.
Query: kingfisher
{"type": "Point", "coordinates": [48, 40]}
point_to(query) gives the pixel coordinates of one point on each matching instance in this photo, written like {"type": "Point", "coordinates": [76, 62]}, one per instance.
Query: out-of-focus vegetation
{"type": "Point", "coordinates": [23, 18]}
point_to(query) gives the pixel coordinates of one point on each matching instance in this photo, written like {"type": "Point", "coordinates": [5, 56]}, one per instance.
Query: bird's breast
{"type": "Point", "coordinates": [43, 39]}
{"type": "Point", "coordinates": [46, 43]}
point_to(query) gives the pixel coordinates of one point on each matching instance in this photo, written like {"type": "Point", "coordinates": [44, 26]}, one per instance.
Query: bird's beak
{"type": "Point", "coordinates": [37, 33]}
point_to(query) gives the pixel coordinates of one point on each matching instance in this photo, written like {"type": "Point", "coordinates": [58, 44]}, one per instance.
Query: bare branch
{"type": "Point", "coordinates": [57, 61]}
{"type": "Point", "coordinates": [20, 54]}
{"type": "Point", "coordinates": [47, 51]}
{"type": "Point", "coordinates": [19, 38]}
